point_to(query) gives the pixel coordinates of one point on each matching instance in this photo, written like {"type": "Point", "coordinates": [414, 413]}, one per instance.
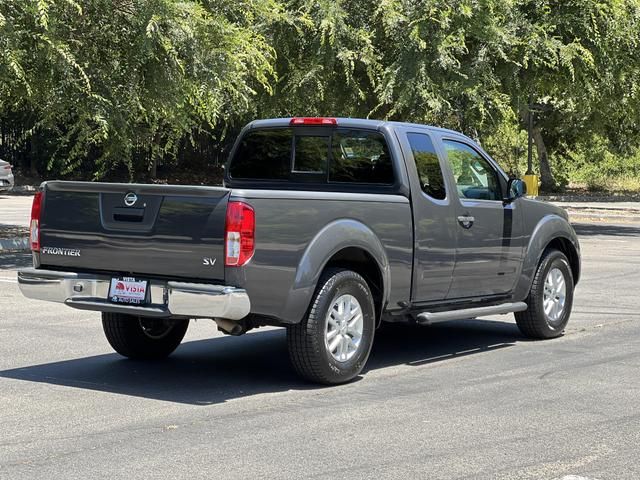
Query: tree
{"type": "Point", "coordinates": [468, 65]}
{"type": "Point", "coordinates": [576, 59]}
{"type": "Point", "coordinates": [326, 64]}
{"type": "Point", "coordinates": [124, 82]}
{"type": "Point", "coordinates": [90, 87]}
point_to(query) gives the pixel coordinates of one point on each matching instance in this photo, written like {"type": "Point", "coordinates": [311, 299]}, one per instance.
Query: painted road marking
{"type": "Point", "coordinates": [574, 477]}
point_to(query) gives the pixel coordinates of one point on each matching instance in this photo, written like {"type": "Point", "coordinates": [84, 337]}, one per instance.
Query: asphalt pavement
{"type": "Point", "coordinates": [464, 400]}
{"type": "Point", "coordinates": [15, 209]}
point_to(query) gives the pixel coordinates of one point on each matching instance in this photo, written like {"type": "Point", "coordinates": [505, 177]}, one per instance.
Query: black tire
{"type": "Point", "coordinates": [143, 338]}
{"type": "Point", "coordinates": [308, 348]}
{"type": "Point", "coordinates": [534, 322]}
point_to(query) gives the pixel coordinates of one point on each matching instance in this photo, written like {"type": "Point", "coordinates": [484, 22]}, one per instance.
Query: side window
{"type": "Point", "coordinates": [475, 178]}
{"type": "Point", "coordinates": [359, 156]}
{"type": "Point", "coordinates": [429, 170]}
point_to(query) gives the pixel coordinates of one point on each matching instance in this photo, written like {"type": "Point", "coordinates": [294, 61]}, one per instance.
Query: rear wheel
{"type": "Point", "coordinates": [550, 299]}
{"type": "Point", "coordinates": [141, 337]}
{"type": "Point", "coordinates": [332, 343]}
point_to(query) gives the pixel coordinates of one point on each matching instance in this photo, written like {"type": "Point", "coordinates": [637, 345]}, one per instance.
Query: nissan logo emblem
{"type": "Point", "coordinates": [130, 199]}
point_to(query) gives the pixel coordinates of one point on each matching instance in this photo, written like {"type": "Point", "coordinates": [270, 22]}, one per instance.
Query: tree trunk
{"type": "Point", "coordinates": [33, 163]}
{"type": "Point", "coordinates": [155, 153]}
{"type": "Point", "coordinates": [547, 182]}
{"type": "Point", "coordinates": [154, 167]}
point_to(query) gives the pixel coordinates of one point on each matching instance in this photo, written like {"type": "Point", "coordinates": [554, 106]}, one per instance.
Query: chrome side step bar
{"type": "Point", "coordinates": [427, 318]}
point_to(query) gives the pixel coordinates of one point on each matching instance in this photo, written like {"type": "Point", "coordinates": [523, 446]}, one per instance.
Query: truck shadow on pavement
{"type": "Point", "coordinates": [206, 372]}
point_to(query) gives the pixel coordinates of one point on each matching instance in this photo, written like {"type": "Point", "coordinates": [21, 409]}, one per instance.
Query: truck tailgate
{"type": "Point", "coordinates": [144, 230]}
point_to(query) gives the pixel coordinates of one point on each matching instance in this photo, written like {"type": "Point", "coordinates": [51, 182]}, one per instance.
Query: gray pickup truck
{"type": "Point", "coordinates": [325, 226]}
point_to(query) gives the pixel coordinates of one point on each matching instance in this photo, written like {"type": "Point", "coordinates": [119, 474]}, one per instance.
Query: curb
{"type": "Point", "coordinates": [572, 198]}
{"type": "Point", "coordinates": [20, 190]}
{"type": "Point", "coordinates": [16, 244]}
{"type": "Point", "coordinates": [603, 218]}
{"type": "Point", "coordinates": [24, 188]}
{"type": "Point", "coordinates": [603, 213]}
{"type": "Point", "coordinates": [610, 210]}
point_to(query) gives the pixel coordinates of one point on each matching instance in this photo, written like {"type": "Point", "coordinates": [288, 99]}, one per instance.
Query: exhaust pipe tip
{"type": "Point", "coordinates": [229, 327]}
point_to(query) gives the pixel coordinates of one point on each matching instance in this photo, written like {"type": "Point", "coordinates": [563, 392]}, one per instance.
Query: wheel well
{"type": "Point", "coordinates": [361, 262]}
{"type": "Point", "coordinates": [566, 247]}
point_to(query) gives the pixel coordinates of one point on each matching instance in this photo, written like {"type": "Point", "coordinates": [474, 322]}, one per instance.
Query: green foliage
{"type": "Point", "coordinates": [595, 165]}
{"type": "Point", "coordinates": [326, 63]}
{"type": "Point", "coordinates": [113, 82]}
{"type": "Point", "coordinates": [440, 59]}
{"type": "Point", "coordinates": [508, 145]}
{"type": "Point", "coordinates": [95, 86]}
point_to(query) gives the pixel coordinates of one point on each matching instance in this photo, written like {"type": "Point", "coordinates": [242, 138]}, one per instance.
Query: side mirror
{"type": "Point", "coordinates": [516, 188]}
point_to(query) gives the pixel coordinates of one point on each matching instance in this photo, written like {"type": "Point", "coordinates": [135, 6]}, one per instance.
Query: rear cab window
{"type": "Point", "coordinates": [263, 155]}
{"type": "Point", "coordinates": [338, 157]}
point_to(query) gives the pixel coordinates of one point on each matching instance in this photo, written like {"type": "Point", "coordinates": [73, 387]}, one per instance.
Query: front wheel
{"type": "Point", "coordinates": [143, 338]}
{"type": "Point", "coordinates": [550, 299]}
{"type": "Point", "coordinates": [332, 343]}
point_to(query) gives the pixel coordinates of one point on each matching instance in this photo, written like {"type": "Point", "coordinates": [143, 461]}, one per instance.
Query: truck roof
{"type": "Point", "coordinates": [354, 123]}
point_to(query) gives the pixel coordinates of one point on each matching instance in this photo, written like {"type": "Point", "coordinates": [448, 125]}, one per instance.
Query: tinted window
{"type": "Point", "coordinates": [312, 154]}
{"type": "Point", "coordinates": [429, 170]}
{"type": "Point", "coordinates": [475, 178]}
{"type": "Point", "coordinates": [263, 155]}
{"type": "Point", "coordinates": [359, 156]}
{"type": "Point", "coordinates": [350, 156]}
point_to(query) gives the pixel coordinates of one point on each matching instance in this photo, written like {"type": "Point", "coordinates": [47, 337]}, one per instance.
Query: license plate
{"type": "Point", "coordinates": [128, 290]}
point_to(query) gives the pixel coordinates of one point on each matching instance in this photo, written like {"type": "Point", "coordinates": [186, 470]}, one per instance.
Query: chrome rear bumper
{"type": "Point", "coordinates": [166, 298]}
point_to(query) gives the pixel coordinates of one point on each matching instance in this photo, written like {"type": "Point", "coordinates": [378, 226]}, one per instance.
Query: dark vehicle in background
{"type": "Point", "coordinates": [6, 176]}
{"type": "Point", "coordinates": [325, 226]}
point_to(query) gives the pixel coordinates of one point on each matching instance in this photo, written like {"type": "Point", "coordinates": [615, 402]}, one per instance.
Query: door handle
{"type": "Point", "coordinates": [466, 221]}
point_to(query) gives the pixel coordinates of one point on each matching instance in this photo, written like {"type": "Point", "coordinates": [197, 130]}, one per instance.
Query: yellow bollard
{"type": "Point", "coordinates": [532, 182]}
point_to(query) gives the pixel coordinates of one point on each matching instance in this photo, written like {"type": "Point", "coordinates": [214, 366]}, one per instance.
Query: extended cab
{"type": "Point", "coordinates": [324, 226]}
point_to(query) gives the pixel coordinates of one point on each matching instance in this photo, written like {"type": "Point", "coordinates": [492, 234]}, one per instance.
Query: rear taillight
{"type": "Point", "coordinates": [7, 167]}
{"type": "Point", "coordinates": [239, 235]}
{"type": "Point", "coordinates": [35, 222]}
